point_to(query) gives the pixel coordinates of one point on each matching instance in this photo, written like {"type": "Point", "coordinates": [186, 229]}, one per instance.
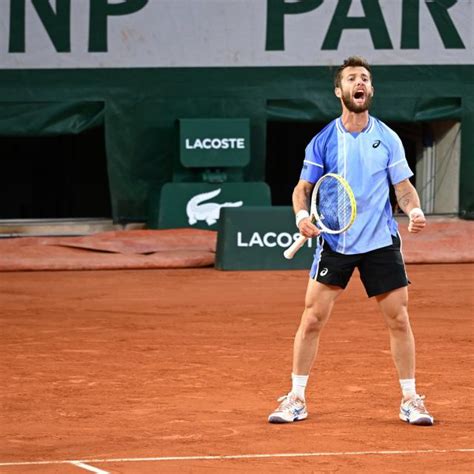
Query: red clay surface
{"type": "Point", "coordinates": [178, 363]}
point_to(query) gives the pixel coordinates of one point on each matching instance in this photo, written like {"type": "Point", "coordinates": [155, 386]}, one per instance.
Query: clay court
{"type": "Point", "coordinates": [150, 151]}
{"type": "Point", "coordinates": [176, 370]}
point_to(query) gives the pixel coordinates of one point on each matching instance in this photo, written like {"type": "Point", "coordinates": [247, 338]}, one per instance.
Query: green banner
{"type": "Point", "coordinates": [49, 118]}
{"type": "Point", "coordinates": [220, 143]}
{"type": "Point", "coordinates": [254, 238]}
{"type": "Point", "coordinates": [200, 205]}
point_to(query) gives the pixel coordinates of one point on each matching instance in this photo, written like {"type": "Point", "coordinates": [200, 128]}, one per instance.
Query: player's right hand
{"type": "Point", "coordinates": [308, 229]}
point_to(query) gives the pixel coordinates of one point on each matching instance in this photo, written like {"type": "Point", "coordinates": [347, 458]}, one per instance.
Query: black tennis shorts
{"type": "Point", "coordinates": [381, 270]}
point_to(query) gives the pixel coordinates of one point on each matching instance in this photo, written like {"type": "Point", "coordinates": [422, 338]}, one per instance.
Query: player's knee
{"type": "Point", "coordinates": [313, 320]}
{"type": "Point", "coordinates": [399, 321]}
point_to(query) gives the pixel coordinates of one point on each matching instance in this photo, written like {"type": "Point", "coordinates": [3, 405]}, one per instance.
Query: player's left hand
{"type": "Point", "coordinates": [417, 220]}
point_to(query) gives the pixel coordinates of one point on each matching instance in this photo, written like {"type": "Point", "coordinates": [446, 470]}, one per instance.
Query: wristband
{"type": "Point", "coordinates": [415, 210]}
{"type": "Point", "coordinates": [300, 215]}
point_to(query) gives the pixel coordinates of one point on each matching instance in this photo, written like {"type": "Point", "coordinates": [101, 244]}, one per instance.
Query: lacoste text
{"type": "Point", "coordinates": [215, 143]}
{"type": "Point", "coordinates": [269, 239]}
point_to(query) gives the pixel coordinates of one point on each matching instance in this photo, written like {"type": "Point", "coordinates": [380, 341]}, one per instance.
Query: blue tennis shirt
{"type": "Point", "coordinates": [370, 161]}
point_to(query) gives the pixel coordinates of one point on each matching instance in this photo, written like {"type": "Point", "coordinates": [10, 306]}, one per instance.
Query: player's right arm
{"type": "Point", "coordinates": [301, 199]}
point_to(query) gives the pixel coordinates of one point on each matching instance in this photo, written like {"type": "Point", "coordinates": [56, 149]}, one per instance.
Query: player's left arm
{"type": "Point", "coordinates": [409, 203]}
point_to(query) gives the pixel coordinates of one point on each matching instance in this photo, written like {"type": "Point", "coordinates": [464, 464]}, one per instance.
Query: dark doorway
{"type": "Point", "coordinates": [54, 177]}
{"type": "Point", "coordinates": [286, 143]}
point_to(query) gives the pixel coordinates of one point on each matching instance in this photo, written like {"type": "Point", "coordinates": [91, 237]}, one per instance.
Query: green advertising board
{"type": "Point", "coordinates": [215, 143]}
{"type": "Point", "coordinates": [254, 238]}
{"type": "Point", "coordinates": [200, 205]}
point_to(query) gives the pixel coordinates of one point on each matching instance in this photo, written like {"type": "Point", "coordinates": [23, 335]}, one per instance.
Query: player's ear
{"type": "Point", "coordinates": [373, 91]}
{"type": "Point", "coordinates": [338, 92]}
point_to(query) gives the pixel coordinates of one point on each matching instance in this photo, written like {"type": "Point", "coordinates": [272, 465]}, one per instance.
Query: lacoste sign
{"type": "Point", "coordinates": [215, 143]}
{"type": "Point", "coordinates": [220, 143]}
{"type": "Point", "coordinates": [200, 205]}
{"type": "Point", "coordinates": [198, 209]}
{"type": "Point", "coordinates": [269, 239]}
{"type": "Point", "coordinates": [254, 238]}
{"type": "Point", "coordinates": [244, 33]}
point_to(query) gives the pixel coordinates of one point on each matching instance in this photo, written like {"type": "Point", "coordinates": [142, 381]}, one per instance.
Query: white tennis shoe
{"type": "Point", "coordinates": [413, 411]}
{"type": "Point", "coordinates": [291, 409]}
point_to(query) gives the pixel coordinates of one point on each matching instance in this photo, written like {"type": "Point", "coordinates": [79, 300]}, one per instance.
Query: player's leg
{"type": "Point", "coordinates": [384, 276]}
{"type": "Point", "coordinates": [319, 302]}
{"type": "Point", "coordinates": [394, 307]}
{"type": "Point", "coordinates": [329, 275]}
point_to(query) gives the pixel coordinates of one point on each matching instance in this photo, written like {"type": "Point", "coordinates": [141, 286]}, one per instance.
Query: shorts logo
{"type": "Point", "coordinates": [376, 144]}
{"type": "Point", "coordinates": [323, 272]}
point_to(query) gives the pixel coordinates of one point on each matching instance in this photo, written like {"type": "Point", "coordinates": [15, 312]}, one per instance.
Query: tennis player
{"type": "Point", "coordinates": [370, 156]}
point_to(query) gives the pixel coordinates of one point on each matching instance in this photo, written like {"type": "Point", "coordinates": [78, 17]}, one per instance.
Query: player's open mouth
{"type": "Point", "coordinates": [359, 95]}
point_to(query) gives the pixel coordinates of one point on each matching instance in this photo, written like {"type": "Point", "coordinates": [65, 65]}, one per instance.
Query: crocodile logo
{"type": "Point", "coordinates": [198, 210]}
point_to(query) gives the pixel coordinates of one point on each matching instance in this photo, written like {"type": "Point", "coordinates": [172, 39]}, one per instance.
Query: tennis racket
{"type": "Point", "coordinates": [333, 209]}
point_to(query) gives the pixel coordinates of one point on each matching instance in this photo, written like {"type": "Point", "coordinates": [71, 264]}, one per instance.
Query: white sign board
{"type": "Point", "coordinates": [232, 33]}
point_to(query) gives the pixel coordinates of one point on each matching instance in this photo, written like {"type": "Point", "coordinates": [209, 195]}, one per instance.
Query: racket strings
{"type": "Point", "coordinates": [333, 205]}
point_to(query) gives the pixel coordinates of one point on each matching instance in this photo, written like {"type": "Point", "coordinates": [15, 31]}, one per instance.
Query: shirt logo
{"type": "Point", "coordinates": [323, 272]}
{"type": "Point", "coordinates": [376, 144]}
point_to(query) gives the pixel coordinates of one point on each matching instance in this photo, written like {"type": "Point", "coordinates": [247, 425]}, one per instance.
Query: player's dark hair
{"type": "Point", "coordinates": [352, 61]}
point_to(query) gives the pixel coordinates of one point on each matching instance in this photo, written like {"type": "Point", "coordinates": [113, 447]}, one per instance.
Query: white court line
{"type": "Point", "coordinates": [88, 467]}
{"type": "Point", "coordinates": [242, 456]}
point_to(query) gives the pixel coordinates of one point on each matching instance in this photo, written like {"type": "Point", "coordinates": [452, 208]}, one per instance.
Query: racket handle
{"type": "Point", "coordinates": [290, 252]}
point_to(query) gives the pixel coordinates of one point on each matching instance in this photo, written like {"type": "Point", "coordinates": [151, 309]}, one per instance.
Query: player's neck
{"type": "Point", "coordinates": [354, 122]}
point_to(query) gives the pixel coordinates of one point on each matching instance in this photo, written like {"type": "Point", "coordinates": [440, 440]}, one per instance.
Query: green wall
{"type": "Point", "coordinates": [140, 109]}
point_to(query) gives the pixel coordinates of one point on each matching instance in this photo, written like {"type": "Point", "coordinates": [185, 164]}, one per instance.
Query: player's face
{"type": "Point", "coordinates": [356, 89]}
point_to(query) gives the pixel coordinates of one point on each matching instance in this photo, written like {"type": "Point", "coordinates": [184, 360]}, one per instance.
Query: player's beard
{"type": "Point", "coordinates": [353, 107]}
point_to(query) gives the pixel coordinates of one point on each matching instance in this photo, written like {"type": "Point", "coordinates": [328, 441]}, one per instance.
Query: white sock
{"type": "Point", "coordinates": [408, 388]}
{"type": "Point", "coordinates": [299, 385]}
